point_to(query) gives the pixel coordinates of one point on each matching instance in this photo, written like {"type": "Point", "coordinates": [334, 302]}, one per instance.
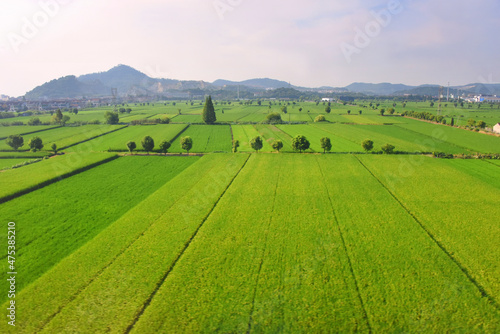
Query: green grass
{"type": "Point", "coordinates": [314, 135]}
{"type": "Point", "coordinates": [206, 138]}
{"type": "Point", "coordinates": [403, 140]}
{"type": "Point", "coordinates": [28, 177]}
{"type": "Point", "coordinates": [151, 234]}
{"type": "Point", "coordinates": [6, 131]}
{"type": "Point", "coordinates": [60, 218]}
{"type": "Point", "coordinates": [275, 267]}
{"type": "Point", "coordinates": [457, 201]}
{"type": "Point", "coordinates": [7, 163]}
{"type": "Point", "coordinates": [270, 133]}
{"type": "Point", "coordinates": [244, 134]}
{"type": "Point", "coordinates": [475, 142]}
{"type": "Point", "coordinates": [117, 141]}
{"type": "Point", "coordinates": [65, 136]}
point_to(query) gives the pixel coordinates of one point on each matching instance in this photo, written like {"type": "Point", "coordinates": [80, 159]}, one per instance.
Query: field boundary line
{"type": "Point", "coordinates": [358, 290]}
{"type": "Point", "coordinates": [261, 262]}
{"type": "Point", "coordinates": [433, 138]}
{"type": "Point", "coordinates": [98, 273]}
{"type": "Point", "coordinates": [89, 139]}
{"type": "Point", "coordinates": [55, 179]}
{"type": "Point", "coordinates": [181, 253]}
{"type": "Point", "coordinates": [32, 132]}
{"type": "Point", "coordinates": [180, 133]}
{"type": "Point", "coordinates": [491, 163]}
{"type": "Point", "coordinates": [464, 270]}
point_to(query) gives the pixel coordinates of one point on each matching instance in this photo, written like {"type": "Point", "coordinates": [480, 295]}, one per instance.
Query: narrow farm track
{"type": "Point", "coordinates": [464, 270]}
{"type": "Point", "coordinates": [250, 320]}
{"type": "Point", "coordinates": [188, 243]}
{"type": "Point", "coordinates": [365, 314]}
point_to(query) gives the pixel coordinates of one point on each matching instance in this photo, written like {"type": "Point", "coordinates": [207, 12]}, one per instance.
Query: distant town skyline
{"type": "Point", "coordinates": [311, 44]}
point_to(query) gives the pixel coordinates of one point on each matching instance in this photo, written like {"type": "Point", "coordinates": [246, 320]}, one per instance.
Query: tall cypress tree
{"type": "Point", "coordinates": [209, 111]}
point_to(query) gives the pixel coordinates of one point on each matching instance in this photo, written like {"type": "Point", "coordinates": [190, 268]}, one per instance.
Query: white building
{"type": "Point", "coordinates": [327, 99]}
{"type": "Point", "coordinates": [496, 128]}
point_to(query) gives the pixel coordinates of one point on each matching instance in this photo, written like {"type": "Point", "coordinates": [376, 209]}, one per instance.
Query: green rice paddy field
{"type": "Point", "coordinates": [351, 242]}
{"type": "Point", "coordinates": [267, 242]}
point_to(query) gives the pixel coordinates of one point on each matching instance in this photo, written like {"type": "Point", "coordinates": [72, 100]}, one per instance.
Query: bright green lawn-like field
{"type": "Point", "coordinates": [70, 212]}
{"type": "Point", "coordinates": [206, 138]}
{"type": "Point", "coordinates": [352, 242]}
{"type": "Point", "coordinates": [65, 136]}
{"type": "Point", "coordinates": [117, 141]}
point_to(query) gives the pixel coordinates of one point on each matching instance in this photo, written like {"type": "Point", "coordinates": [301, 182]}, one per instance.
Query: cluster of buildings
{"type": "Point", "coordinates": [481, 98]}
{"type": "Point", "coordinates": [20, 105]}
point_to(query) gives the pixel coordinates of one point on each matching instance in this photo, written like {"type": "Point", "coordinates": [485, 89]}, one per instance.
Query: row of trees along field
{"type": "Point", "coordinates": [35, 143]}
{"type": "Point", "coordinates": [148, 145]}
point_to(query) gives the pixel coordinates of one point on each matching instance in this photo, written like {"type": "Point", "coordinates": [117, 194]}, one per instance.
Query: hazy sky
{"type": "Point", "coordinates": [308, 43]}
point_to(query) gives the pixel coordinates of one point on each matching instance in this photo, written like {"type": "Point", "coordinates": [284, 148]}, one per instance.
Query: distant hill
{"type": "Point", "coordinates": [68, 87]}
{"type": "Point", "coordinates": [130, 82]}
{"type": "Point", "coordinates": [376, 89]}
{"type": "Point", "coordinates": [264, 83]}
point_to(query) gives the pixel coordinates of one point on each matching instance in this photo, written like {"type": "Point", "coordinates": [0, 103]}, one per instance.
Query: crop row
{"type": "Point", "coordinates": [460, 214]}
{"type": "Point", "coordinates": [136, 249]}
{"type": "Point", "coordinates": [56, 220]}
{"type": "Point", "coordinates": [32, 176]}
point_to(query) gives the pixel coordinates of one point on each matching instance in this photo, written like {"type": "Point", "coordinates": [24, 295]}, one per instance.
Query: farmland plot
{"type": "Point", "coordinates": [266, 266]}
{"type": "Point", "coordinates": [6, 131]}
{"type": "Point", "coordinates": [314, 136]}
{"type": "Point", "coordinates": [475, 142]}
{"type": "Point", "coordinates": [117, 141]}
{"type": "Point", "coordinates": [116, 276]}
{"type": "Point", "coordinates": [206, 138]}
{"type": "Point", "coordinates": [245, 133]}
{"type": "Point", "coordinates": [66, 136]}
{"type": "Point", "coordinates": [72, 211]}
{"type": "Point", "coordinates": [31, 176]}
{"type": "Point", "coordinates": [270, 133]}
{"type": "Point", "coordinates": [460, 212]}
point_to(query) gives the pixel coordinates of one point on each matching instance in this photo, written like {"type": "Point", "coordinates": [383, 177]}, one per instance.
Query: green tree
{"type": "Point", "coordinates": [34, 121]}
{"type": "Point", "coordinates": [432, 104]}
{"type": "Point", "coordinates": [148, 144]}
{"type": "Point", "coordinates": [57, 118]}
{"type": "Point", "coordinates": [273, 118]}
{"type": "Point", "coordinates": [471, 122]}
{"type": "Point", "coordinates": [382, 112]}
{"type": "Point", "coordinates": [328, 109]}
{"type": "Point", "coordinates": [360, 112]}
{"type": "Point", "coordinates": [452, 122]}
{"type": "Point", "coordinates": [164, 146]}
{"type": "Point", "coordinates": [320, 118]}
{"type": "Point", "coordinates": [388, 149]}
{"type": "Point", "coordinates": [35, 144]}
{"type": "Point", "coordinates": [111, 117]}
{"type": "Point", "coordinates": [300, 143]}
{"type": "Point", "coordinates": [131, 146]}
{"type": "Point", "coordinates": [277, 145]}
{"type": "Point", "coordinates": [326, 144]}
{"type": "Point", "coordinates": [284, 109]}
{"type": "Point", "coordinates": [367, 145]}
{"type": "Point", "coordinates": [256, 143]}
{"type": "Point", "coordinates": [186, 143]}
{"type": "Point", "coordinates": [209, 111]}
{"type": "Point", "coordinates": [391, 111]}
{"type": "Point", "coordinates": [236, 144]}
{"type": "Point", "coordinates": [54, 148]}
{"type": "Point", "coordinates": [481, 124]}
{"type": "Point", "coordinates": [65, 119]}
{"type": "Point", "coordinates": [15, 141]}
